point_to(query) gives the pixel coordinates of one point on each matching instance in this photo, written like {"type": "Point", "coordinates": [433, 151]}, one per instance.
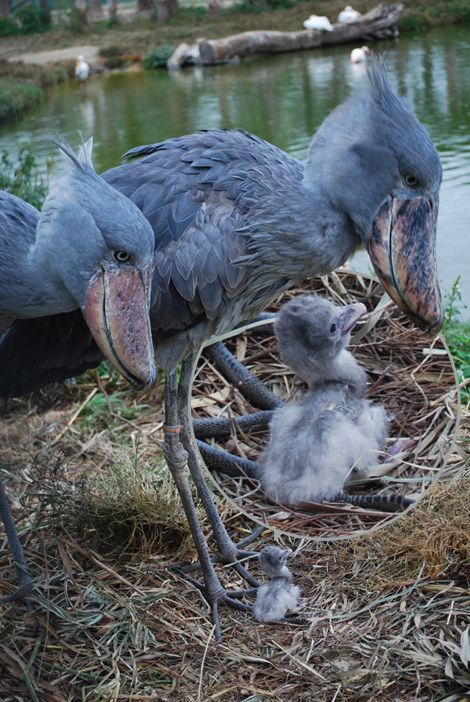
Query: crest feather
{"type": "Point", "coordinates": [83, 160]}
{"type": "Point", "coordinates": [380, 87]}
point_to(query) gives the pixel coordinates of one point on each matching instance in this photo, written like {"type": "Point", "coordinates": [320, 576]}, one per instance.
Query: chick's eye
{"type": "Point", "coordinates": [122, 256]}
{"type": "Point", "coordinates": [333, 328]}
{"type": "Point", "coordinates": [411, 180]}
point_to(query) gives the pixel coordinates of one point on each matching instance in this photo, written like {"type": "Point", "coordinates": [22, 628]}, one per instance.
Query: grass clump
{"type": "Point", "coordinates": [23, 178]}
{"type": "Point", "coordinates": [130, 505]}
{"type": "Point", "coordinates": [15, 98]}
{"type": "Point", "coordinates": [158, 57]}
{"type": "Point", "coordinates": [457, 334]}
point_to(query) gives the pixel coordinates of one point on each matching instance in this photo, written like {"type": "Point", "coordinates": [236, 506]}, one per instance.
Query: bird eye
{"type": "Point", "coordinates": [411, 180]}
{"type": "Point", "coordinates": [122, 256]}
{"type": "Point", "coordinates": [333, 328]}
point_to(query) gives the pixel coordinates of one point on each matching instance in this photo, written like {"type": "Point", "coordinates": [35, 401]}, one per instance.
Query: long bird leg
{"type": "Point", "coordinates": [229, 551]}
{"type": "Point", "coordinates": [17, 553]}
{"type": "Point", "coordinates": [177, 460]}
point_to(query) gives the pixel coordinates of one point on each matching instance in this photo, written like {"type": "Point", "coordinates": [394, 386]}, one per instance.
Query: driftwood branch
{"type": "Point", "coordinates": [379, 23]}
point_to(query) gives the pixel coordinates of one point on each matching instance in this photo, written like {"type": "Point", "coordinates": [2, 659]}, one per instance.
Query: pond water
{"type": "Point", "coordinates": [283, 99]}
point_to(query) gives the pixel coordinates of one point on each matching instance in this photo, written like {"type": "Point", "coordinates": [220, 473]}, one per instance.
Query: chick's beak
{"type": "Point", "coordinates": [117, 313]}
{"type": "Point", "coordinates": [349, 316]}
{"type": "Point", "coordinates": [402, 248]}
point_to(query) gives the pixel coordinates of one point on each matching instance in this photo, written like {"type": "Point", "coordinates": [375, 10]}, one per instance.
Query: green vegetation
{"type": "Point", "coordinates": [158, 57]}
{"type": "Point", "coordinates": [457, 335]}
{"type": "Point", "coordinates": [22, 86]}
{"type": "Point", "coordinates": [23, 178]}
{"type": "Point", "coordinates": [15, 98]}
{"type": "Point", "coordinates": [29, 19]}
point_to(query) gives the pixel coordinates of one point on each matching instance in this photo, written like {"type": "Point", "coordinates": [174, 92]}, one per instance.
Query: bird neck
{"type": "Point", "coordinates": [292, 236]}
{"type": "Point", "coordinates": [343, 369]}
{"type": "Point", "coordinates": [284, 574]}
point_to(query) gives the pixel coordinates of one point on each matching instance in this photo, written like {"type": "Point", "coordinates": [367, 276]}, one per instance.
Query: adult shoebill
{"type": "Point", "coordinates": [90, 249]}
{"type": "Point", "coordinates": [236, 221]}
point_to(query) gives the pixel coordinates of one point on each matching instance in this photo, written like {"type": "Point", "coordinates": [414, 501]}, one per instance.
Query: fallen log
{"type": "Point", "coordinates": [379, 23]}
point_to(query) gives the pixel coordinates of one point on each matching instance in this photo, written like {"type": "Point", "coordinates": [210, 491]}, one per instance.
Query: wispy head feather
{"type": "Point", "coordinates": [83, 160]}
{"type": "Point", "coordinates": [380, 88]}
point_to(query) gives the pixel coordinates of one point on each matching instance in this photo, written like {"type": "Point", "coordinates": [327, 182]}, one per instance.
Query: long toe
{"type": "Point", "coordinates": [235, 372]}
{"type": "Point", "coordinates": [224, 462]}
{"type": "Point", "coordinates": [217, 427]}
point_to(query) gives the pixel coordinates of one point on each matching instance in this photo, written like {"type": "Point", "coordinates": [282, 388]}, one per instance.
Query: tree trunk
{"type": "Point", "coordinates": [96, 10]}
{"type": "Point", "coordinates": [112, 9]}
{"type": "Point", "coordinates": [82, 10]}
{"type": "Point", "coordinates": [4, 8]}
{"type": "Point", "coordinates": [145, 5]}
{"type": "Point", "coordinates": [166, 9]}
{"type": "Point", "coordinates": [379, 23]}
{"type": "Point", "coordinates": [213, 7]}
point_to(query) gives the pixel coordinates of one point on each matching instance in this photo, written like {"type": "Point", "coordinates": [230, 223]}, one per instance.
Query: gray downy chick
{"type": "Point", "coordinates": [316, 443]}
{"type": "Point", "coordinates": [279, 595]}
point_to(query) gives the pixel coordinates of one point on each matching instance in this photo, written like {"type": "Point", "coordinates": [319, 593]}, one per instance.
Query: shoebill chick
{"type": "Point", "coordinates": [279, 595]}
{"type": "Point", "coordinates": [333, 430]}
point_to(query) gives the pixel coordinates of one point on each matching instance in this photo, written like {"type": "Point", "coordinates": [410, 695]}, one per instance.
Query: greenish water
{"type": "Point", "coordinates": [283, 99]}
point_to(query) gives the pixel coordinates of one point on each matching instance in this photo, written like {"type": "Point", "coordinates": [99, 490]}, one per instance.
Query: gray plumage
{"type": "Point", "coordinates": [57, 251]}
{"type": "Point", "coordinates": [315, 443]}
{"type": "Point", "coordinates": [278, 596]}
{"type": "Point", "coordinates": [237, 220]}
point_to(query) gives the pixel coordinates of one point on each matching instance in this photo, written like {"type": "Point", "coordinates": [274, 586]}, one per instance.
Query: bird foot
{"type": "Point", "coordinates": [21, 594]}
{"type": "Point", "coordinates": [228, 597]}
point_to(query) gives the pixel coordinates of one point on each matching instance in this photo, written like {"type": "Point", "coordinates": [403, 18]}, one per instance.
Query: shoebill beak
{"type": "Point", "coordinates": [402, 248]}
{"type": "Point", "coordinates": [117, 313]}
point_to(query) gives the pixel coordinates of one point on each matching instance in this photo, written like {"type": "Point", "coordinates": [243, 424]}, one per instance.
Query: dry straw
{"type": "Point", "coordinates": [386, 615]}
{"type": "Point", "coordinates": [412, 376]}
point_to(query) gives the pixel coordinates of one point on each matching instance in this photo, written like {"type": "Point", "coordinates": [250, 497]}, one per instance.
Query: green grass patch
{"type": "Point", "coordinates": [15, 98]}
{"type": "Point", "coordinates": [457, 335]}
{"type": "Point", "coordinates": [23, 177]}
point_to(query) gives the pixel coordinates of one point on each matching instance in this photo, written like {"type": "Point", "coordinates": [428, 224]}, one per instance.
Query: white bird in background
{"type": "Point", "coordinates": [318, 22]}
{"type": "Point", "coordinates": [348, 15]}
{"type": "Point", "coordinates": [360, 55]}
{"type": "Point", "coordinates": [82, 69]}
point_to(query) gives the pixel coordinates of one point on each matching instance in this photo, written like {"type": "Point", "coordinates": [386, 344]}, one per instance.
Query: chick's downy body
{"type": "Point", "coordinates": [317, 442]}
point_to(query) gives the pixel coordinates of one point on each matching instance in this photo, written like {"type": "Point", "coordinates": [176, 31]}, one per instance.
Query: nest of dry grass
{"type": "Point", "coordinates": [385, 615]}
{"type": "Point", "coordinates": [413, 377]}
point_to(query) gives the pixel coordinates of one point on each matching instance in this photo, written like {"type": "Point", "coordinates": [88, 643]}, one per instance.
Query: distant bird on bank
{"type": "Point", "coordinates": [314, 444]}
{"type": "Point", "coordinates": [278, 596]}
{"type": "Point", "coordinates": [360, 55]}
{"type": "Point", "coordinates": [348, 15]}
{"type": "Point", "coordinates": [320, 22]}
{"type": "Point", "coordinates": [82, 69]}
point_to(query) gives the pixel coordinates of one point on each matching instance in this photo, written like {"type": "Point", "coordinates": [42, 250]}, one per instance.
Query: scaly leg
{"type": "Point", "coordinates": [229, 551]}
{"type": "Point", "coordinates": [176, 458]}
{"type": "Point", "coordinates": [16, 549]}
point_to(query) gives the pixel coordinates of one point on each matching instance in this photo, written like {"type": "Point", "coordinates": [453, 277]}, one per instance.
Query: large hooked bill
{"type": "Point", "coordinates": [402, 248]}
{"type": "Point", "coordinates": [117, 314]}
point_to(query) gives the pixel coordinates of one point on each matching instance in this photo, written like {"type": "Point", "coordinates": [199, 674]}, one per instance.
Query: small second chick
{"type": "Point", "coordinates": [279, 595]}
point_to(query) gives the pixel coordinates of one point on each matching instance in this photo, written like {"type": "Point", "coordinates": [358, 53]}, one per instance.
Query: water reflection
{"type": "Point", "coordinates": [282, 98]}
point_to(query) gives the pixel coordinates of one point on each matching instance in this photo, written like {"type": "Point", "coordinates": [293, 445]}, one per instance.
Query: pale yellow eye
{"type": "Point", "coordinates": [122, 256]}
